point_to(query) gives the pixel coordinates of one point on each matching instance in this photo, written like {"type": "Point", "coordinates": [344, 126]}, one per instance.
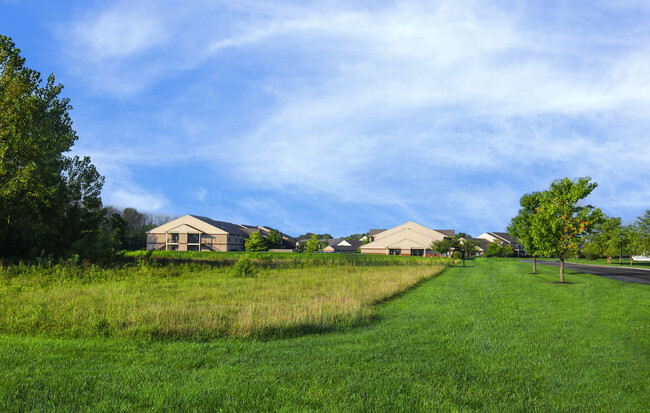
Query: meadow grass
{"type": "Point", "coordinates": [200, 300]}
{"type": "Point", "coordinates": [488, 337]}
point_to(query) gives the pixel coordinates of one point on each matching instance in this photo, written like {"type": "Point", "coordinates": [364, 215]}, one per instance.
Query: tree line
{"type": "Point", "coordinates": [50, 203]}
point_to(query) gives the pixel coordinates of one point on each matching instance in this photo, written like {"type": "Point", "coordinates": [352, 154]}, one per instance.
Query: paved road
{"type": "Point", "coordinates": [627, 274]}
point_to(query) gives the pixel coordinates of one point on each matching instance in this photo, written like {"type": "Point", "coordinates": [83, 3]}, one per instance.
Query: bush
{"type": "Point", "coordinates": [457, 255]}
{"type": "Point", "coordinates": [244, 267]}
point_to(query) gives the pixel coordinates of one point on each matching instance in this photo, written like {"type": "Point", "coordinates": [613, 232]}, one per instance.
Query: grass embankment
{"type": "Point", "coordinates": [489, 337]}
{"type": "Point", "coordinates": [204, 299]}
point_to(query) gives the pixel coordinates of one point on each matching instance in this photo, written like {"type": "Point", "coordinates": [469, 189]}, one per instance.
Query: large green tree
{"type": "Point", "coordinates": [521, 226]}
{"type": "Point", "coordinates": [47, 201]}
{"type": "Point", "coordinates": [560, 223]}
{"type": "Point", "coordinates": [605, 240]}
{"type": "Point", "coordinates": [313, 244]}
{"type": "Point", "coordinates": [637, 236]}
{"type": "Point", "coordinates": [255, 242]}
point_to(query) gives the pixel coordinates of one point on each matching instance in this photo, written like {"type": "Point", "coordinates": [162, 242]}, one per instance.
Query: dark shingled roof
{"type": "Point", "coordinates": [449, 233]}
{"type": "Point", "coordinates": [505, 236]}
{"type": "Point", "coordinates": [226, 226]}
{"type": "Point", "coordinates": [373, 232]}
{"type": "Point", "coordinates": [354, 245]}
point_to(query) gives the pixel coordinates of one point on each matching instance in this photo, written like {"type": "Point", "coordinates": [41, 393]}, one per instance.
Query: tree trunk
{"type": "Point", "coordinates": [561, 270]}
{"type": "Point", "coordinates": [534, 265]}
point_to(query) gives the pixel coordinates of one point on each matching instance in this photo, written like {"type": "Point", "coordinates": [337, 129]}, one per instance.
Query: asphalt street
{"type": "Point", "coordinates": [626, 273]}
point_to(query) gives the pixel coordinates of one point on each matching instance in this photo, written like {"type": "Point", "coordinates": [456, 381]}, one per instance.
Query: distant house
{"type": "Point", "coordinates": [197, 233]}
{"type": "Point", "coordinates": [409, 238]}
{"type": "Point", "coordinates": [342, 245]}
{"type": "Point", "coordinates": [503, 237]}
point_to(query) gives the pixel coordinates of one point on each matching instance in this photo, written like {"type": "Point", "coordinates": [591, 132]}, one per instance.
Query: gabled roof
{"type": "Point", "coordinates": [501, 236]}
{"type": "Point", "coordinates": [449, 233]}
{"type": "Point", "coordinates": [222, 225]}
{"type": "Point", "coordinates": [407, 243]}
{"type": "Point", "coordinates": [412, 226]}
{"type": "Point", "coordinates": [504, 236]}
{"type": "Point", "coordinates": [197, 223]}
{"type": "Point", "coordinates": [373, 232]}
{"type": "Point", "coordinates": [408, 235]}
{"type": "Point", "coordinates": [343, 245]}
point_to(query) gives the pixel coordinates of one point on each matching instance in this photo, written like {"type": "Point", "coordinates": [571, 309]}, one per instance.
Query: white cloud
{"type": "Point", "coordinates": [120, 32]}
{"type": "Point", "coordinates": [363, 103]}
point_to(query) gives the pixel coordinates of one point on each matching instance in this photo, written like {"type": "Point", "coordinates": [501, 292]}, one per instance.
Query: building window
{"type": "Point", "coordinates": [173, 247]}
{"type": "Point", "coordinates": [174, 238]}
{"type": "Point", "coordinates": [193, 248]}
{"type": "Point", "coordinates": [395, 251]}
{"type": "Point", "coordinates": [192, 238]}
{"type": "Point", "coordinates": [417, 253]}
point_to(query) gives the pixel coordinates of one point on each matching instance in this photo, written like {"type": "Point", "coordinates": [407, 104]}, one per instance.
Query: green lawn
{"type": "Point", "coordinates": [615, 261]}
{"type": "Point", "coordinates": [490, 336]}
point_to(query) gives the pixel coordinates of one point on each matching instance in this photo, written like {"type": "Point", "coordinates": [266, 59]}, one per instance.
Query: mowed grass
{"type": "Point", "coordinates": [200, 300]}
{"type": "Point", "coordinates": [615, 261]}
{"type": "Point", "coordinates": [488, 337]}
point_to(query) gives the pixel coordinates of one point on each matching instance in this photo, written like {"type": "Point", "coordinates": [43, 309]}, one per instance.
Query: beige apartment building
{"type": "Point", "coordinates": [409, 238]}
{"type": "Point", "coordinates": [196, 233]}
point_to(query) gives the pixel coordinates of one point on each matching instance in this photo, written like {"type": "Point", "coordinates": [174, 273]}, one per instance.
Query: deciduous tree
{"type": "Point", "coordinates": [521, 226]}
{"type": "Point", "coordinates": [560, 223]}
{"type": "Point", "coordinates": [255, 242]}
{"type": "Point", "coordinates": [47, 201]}
{"type": "Point", "coordinates": [313, 244]}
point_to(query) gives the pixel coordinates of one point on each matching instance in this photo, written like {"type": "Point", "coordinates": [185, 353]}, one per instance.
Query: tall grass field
{"type": "Point", "coordinates": [202, 296]}
{"type": "Point", "coordinates": [487, 337]}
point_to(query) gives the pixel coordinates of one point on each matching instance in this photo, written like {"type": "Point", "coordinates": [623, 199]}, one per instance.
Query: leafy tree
{"type": "Point", "coordinates": [274, 239]}
{"type": "Point", "coordinates": [494, 249]}
{"type": "Point", "coordinates": [506, 250]}
{"type": "Point", "coordinates": [444, 246]}
{"type": "Point", "coordinates": [356, 237]}
{"type": "Point", "coordinates": [560, 223]}
{"type": "Point", "coordinates": [255, 242]}
{"type": "Point", "coordinates": [468, 246]}
{"type": "Point", "coordinates": [118, 231]}
{"type": "Point", "coordinates": [521, 226]}
{"type": "Point", "coordinates": [462, 243]}
{"type": "Point", "coordinates": [83, 217]}
{"type": "Point", "coordinates": [47, 201]}
{"type": "Point", "coordinates": [313, 244]}
{"type": "Point", "coordinates": [637, 236]}
{"type": "Point", "coordinates": [605, 239]}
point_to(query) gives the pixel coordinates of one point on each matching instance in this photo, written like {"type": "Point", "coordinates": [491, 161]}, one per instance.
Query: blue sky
{"type": "Point", "coordinates": [337, 116]}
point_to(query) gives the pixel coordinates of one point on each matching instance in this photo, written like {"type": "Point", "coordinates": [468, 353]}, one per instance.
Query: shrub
{"type": "Point", "coordinates": [457, 255]}
{"type": "Point", "coordinates": [244, 267]}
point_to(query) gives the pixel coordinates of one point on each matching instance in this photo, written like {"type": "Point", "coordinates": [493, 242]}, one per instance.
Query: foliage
{"type": "Point", "coordinates": [244, 267]}
{"type": "Point", "coordinates": [443, 246]}
{"type": "Point", "coordinates": [521, 226]}
{"type": "Point", "coordinates": [461, 242]}
{"type": "Point", "coordinates": [356, 237]}
{"type": "Point", "coordinates": [274, 239]}
{"type": "Point", "coordinates": [313, 245]}
{"type": "Point", "coordinates": [560, 223]}
{"type": "Point", "coordinates": [638, 235]}
{"type": "Point", "coordinates": [606, 239]}
{"type": "Point", "coordinates": [255, 242]}
{"type": "Point", "coordinates": [494, 249]}
{"type": "Point", "coordinates": [47, 201]}
{"type": "Point", "coordinates": [457, 255]}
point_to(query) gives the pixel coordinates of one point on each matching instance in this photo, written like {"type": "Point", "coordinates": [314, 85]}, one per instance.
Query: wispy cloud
{"type": "Point", "coordinates": [401, 104]}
